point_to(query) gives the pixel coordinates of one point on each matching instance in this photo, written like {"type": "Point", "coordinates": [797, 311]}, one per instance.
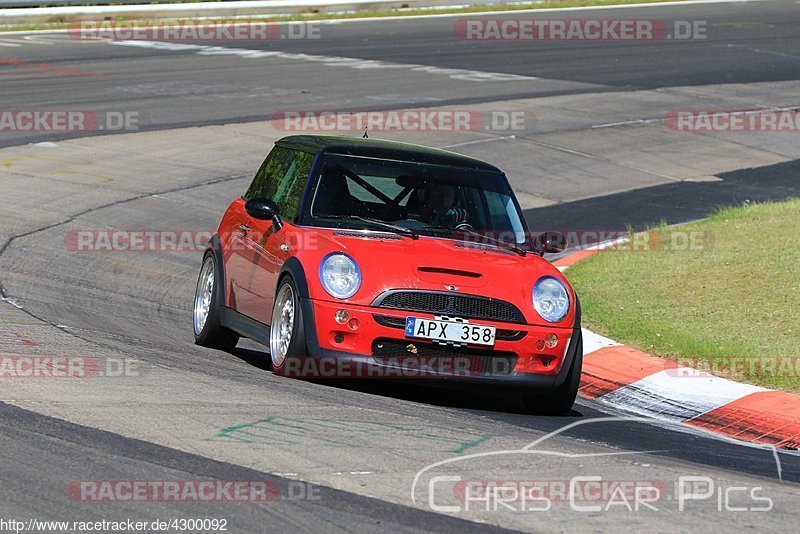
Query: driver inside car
{"type": "Point", "coordinates": [439, 206]}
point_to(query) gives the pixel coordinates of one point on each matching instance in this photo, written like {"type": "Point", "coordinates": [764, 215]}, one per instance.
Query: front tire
{"type": "Point", "coordinates": [208, 329]}
{"type": "Point", "coordinates": [287, 330]}
{"type": "Point", "coordinates": [560, 400]}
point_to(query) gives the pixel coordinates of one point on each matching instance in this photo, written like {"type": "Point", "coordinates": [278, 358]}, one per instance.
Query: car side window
{"type": "Point", "coordinates": [282, 179]}
{"type": "Point", "coordinates": [504, 217]}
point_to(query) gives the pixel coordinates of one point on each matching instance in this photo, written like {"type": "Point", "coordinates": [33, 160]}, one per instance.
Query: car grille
{"type": "Point", "coordinates": [400, 322]}
{"type": "Point", "coordinates": [467, 306]}
{"type": "Point", "coordinates": [413, 355]}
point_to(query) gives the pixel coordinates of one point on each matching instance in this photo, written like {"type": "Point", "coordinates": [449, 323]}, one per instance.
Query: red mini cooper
{"type": "Point", "coordinates": [364, 258]}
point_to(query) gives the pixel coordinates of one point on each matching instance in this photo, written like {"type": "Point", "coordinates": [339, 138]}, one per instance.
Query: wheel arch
{"type": "Point", "coordinates": [215, 248]}
{"type": "Point", "coordinates": [292, 267]}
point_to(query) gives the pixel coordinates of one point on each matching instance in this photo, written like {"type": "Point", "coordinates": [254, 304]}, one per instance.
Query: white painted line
{"type": "Point", "coordinates": [593, 342]}
{"type": "Point", "coordinates": [37, 39]}
{"type": "Point", "coordinates": [166, 198]}
{"type": "Point", "coordinates": [610, 243]}
{"type": "Point", "coordinates": [330, 61]}
{"type": "Point", "coordinates": [760, 51]}
{"type": "Point", "coordinates": [12, 302]}
{"type": "Point", "coordinates": [479, 141]}
{"type": "Point", "coordinates": [668, 395]}
{"type": "Point", "coordinates": [267, 4]}
{"type": "Point", "coordinates": [683, 3]}
{"type": "Point", "coordinates": [192, 7]}
{"type": "Point", "coordinates": [625, 123]}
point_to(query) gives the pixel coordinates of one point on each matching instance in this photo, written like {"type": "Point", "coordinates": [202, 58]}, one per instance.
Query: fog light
{"type": "Point", "coordinates": [551, 340]}
{"type": "Point", "coordinates": [353, 324]}
{"type": "Point", "coordinates": [341, 316]}
{"type": "Point", "coordinates": [539, 345]}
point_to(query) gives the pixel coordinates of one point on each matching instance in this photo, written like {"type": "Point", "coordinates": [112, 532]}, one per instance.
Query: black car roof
{"type": "Point", "coordinates": [376, 148]}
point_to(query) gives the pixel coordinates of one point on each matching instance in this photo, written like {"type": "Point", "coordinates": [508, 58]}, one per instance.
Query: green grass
{"type": "Point", "coordinates": [62, 22]}
{"type": "Point", "coordinates": [736, 296]}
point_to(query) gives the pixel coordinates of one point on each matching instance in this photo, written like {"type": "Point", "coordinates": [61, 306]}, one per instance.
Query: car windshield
{"type": "Point", "coordinates": [436, 200]}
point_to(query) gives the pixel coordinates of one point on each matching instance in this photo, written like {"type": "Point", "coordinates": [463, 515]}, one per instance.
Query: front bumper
{"type": "Point", "coordinates": [373, 344]}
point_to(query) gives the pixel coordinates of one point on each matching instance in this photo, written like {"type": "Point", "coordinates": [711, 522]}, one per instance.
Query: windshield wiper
{"type": "Point", "coordinates": [377, 222]}
{"type": "Point", "coordinates": [498, 242]}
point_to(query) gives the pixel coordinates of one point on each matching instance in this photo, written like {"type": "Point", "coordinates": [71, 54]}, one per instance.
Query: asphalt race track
{"type": "Point", "coordinates": [593, 154]}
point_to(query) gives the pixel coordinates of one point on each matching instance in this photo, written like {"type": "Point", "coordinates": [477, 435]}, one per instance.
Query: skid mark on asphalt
{"type": "Point", "coordinates": [10, 163]}
{"type": "Point", "coordinates": [102, 178]}
{"type": "Point", "coordinates": [350, 434]}
{"type": "Point", "coordinates": [46, 69]}
{"type": "Point", "coordinates": [4, 295]}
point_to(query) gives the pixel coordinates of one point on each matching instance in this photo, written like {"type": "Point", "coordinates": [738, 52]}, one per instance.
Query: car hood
{"type": "Point", "coordinates": [388, 261]}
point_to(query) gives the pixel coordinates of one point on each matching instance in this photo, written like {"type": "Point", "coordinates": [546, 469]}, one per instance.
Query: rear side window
{"type": "Point", "coordinates": [282, 179]}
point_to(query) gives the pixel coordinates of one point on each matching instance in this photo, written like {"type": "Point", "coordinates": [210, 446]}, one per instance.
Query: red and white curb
{"type": "Point", "coordinates": [644, 384]}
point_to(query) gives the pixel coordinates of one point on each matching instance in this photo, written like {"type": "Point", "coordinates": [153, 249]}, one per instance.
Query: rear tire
{"type": "Point", "coordinates": [560, 400]}
{"type": "Point", "coordinates": [287, 330]}
{"type": "Point", "coordinates": [207, 314]}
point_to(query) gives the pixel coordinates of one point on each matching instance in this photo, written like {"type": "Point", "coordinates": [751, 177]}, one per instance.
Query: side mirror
{"type": "Point", "coordinates": [550, 243]}
{"type": "Point", "coordinates": [264, 210]}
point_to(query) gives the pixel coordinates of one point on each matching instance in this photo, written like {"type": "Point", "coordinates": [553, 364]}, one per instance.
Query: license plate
{"type": "Point", "coordinates": [456, 332]}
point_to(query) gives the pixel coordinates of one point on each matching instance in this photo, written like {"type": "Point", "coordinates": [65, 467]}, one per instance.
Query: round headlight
{"type": "Point", "coordinates": [340, 275]}
{"type": "Point", "coordinates": [550, 298]}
